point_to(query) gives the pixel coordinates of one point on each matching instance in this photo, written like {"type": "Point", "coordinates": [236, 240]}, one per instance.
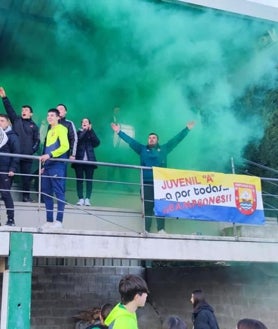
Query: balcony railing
{"type": "Point", "coordinates": [118, 201]}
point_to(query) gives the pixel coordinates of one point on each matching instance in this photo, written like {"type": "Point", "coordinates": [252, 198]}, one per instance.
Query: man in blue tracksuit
{"type": "Point", "coordinates": [152, 155]}
{"type": "Point", "coordinates": [53, 175]}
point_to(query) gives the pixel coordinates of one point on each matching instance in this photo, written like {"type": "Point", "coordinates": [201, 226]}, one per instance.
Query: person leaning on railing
{"type": "Point", "coordinates": [29, 140]}
{"type": "Point", "coordinates": [87, 141]}
{"type": "Point", "coordinates": [152, 155]}
{"type": "Point", "coordinates": [53, 172]}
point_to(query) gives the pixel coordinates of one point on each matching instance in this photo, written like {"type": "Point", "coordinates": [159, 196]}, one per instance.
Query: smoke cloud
{"type": "Point", "coordinates": [162, 64]}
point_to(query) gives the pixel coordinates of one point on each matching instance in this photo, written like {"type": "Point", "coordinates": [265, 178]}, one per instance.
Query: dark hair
{"type": "Point", "coordinates": [130, 285]}
{"type": "Point", "coordinates": [105, 310]}
{"type": "Point", "coordinates": [154, 134]}
{"type": "Point", "coordinates": [86, 119]}
{"type": "Point", "coordinates": [174, 322]}
{"type": "Point", "coordinates": [54, 111]}
{"type": "Point", "coordinates": [63, 106]}
{"type": "Point", "coordinates": [28, 107]}
{"type": "Point", "coordinates": [2, 115]}
{"type": "Point", "coordinates": [250, 324]}
{"type": "Point", "coordinates": [199, 296]}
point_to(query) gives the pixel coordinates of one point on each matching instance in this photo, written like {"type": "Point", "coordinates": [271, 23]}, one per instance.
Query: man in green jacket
{"type": "Point", "coordinates": [152, 155]}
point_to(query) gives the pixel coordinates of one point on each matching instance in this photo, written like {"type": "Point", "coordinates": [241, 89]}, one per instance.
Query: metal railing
{"type": "Point", "coordinates": [128, 195]}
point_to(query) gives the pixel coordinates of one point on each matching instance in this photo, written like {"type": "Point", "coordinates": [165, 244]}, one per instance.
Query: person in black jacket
{"type": "Point", "coordinates": [87, 141]}
{"type": "Point", "coordinates": [203, 314]}
{"type": "Point", "coordinates": [72, 135]}
{"type": "Point", "coordinates": [174, 322]}
{"type": "Point", "coordinates": [29, 139]}
{"type": "Point", "coordinates": [8, 166]}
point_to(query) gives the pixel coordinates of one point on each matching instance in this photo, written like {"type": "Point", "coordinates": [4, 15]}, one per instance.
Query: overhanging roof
{"type": "Point", "coordinates": [153, 246]}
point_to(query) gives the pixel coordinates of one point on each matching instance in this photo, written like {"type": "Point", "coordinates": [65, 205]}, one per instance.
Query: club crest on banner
{"type": "Point", "coordinates": [245, 198]}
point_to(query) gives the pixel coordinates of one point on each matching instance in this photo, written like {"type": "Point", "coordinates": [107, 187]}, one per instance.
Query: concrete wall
{"type": "Point", "coordinates": [235, 291]}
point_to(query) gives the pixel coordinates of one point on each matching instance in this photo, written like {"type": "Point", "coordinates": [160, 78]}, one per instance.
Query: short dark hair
{"type": "Point", "coordinates": [174, 322]}
{"type": "Point", "coordinates": [131, 285]}
{"type": "Point", "coordinates": [154, 134]}
{"type": "Point", "coordinates": [3, 115]}
{"type": "Point", "coordinates": [86, 119]}
{"type": "Point", "coordinates": [250, 324]}
{"type": "Point", "coordinates": [61, 104]}
{"type": "Point", "coordinates": [28, 107]}
{"type": "Point", "coordinates": [105, 310]}
{"type": "Point", "coordinates": [54, 111]}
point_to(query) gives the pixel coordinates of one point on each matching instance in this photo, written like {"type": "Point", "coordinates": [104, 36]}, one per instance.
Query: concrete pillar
{"type": "Point", "coordinates": [16, 294]}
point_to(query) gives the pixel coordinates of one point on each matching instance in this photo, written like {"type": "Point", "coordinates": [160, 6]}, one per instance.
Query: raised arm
{"type": "Point", "coordinates": [115, 127]}
{"type": "Point", "coordinates": [8, 106]}
{"type": "Point", "coordinates": [2, 92]}
{"type": "Point", "coordinates": [172, 143]}
{"type": "Point", "coordinates": [136, 146]}
{"type": "Point", "coordinates": [190, 125]}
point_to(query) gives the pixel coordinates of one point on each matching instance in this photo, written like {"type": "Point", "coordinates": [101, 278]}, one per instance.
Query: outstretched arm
{"type": "Point", "coordinates": [129, 140]}
{"type": "Point", "coordinates": [115, 127]}
{"type": "Point", "coordinates": [190, 125]}
{"type": "Point", "coordinates": [172, 143]}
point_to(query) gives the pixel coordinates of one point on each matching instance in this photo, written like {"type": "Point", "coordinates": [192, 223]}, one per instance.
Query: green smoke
{"type": "Point", "coordinates": [162, 64]}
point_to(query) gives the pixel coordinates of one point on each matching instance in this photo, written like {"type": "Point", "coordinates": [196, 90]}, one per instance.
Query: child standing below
{"type": "Point", "coordinates": [134, 292]}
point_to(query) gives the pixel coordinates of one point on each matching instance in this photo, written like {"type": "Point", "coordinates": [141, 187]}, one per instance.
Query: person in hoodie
{"type": "Point", "coordinates": [152, 155]}
{"type": "Point", "coordinates": [29, 139]}
{"type": "Point", "coordinates": [87, 141]}
{"type": "Point", "coordinates": [8, 165]}
{"type": "Point", "coordinates": [174, 322]}
{"type": "Point", "coordinates": [134, 292]}
{"type": "Point", "coordinates": [53, 172]}
{"type": "Point", "coordinates": [203, 314]}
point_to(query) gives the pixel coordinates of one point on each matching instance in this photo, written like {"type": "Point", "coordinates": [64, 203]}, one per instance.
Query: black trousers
{"type": "Point", "coordinates": [149, 208]}
{"type": "Point", "coordinates": [5, 187]}
{"type": "Point", "coordinates": [81, 172]}
{"type": "Point", "coordinates": [25, 168]}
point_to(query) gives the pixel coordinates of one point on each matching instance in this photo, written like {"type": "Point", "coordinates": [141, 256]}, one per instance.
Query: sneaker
{"type": "Point", "coordinates": [47, 225]}
{"type": "Point", "coordinates": [57, 224]}
{"type": "Point", "coordinates": [87, 202]}
{"type": "Point", "coordinates": [80, 202]}
{"type": "Point", "coordinates": [27, 199]}
{"type": "Point", "coordinates": [162, 232]}
{"type": "Point", "coordinates": [10, 222]}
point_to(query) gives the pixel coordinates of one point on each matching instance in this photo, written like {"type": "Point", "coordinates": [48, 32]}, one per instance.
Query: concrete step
{"type": "Point", "coordinates": [267, 231]}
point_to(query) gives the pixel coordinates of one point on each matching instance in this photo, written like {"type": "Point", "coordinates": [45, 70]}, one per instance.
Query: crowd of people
{"type": "Point", "coordinates": [21, 135]}
{"type": "Point", "coordinates": [134, 292]}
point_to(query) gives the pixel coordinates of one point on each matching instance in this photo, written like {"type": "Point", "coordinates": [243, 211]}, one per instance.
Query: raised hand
{"type": "Point", "coordinates": [2, 92]}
